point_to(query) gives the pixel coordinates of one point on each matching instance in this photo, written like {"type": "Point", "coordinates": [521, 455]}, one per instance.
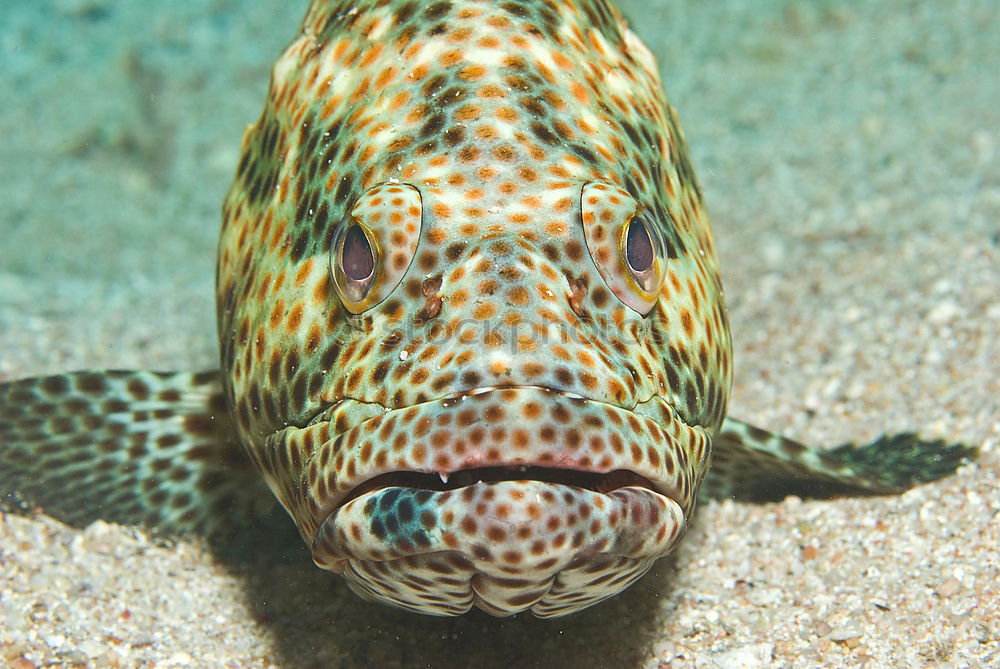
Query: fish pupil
{"type": "Point", "coordinates": [638, 247]}
{"type": "Point", "coordinates": [359, 262]}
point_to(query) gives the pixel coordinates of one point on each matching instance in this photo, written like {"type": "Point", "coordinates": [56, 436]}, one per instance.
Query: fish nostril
{"type": "Point", "coordinates": [430, 310]}
{"type": "Point", "coordinates": [577, 295]}
{"type": "Point", "coordinates": [431, 286]}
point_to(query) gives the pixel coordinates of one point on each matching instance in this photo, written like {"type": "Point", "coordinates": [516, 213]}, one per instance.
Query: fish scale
{"type": "Point", "coordinates": [472, 331]}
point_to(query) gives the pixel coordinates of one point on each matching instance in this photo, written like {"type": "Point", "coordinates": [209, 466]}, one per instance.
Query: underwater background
{"type": "Point", "coordinates": [848, 152]}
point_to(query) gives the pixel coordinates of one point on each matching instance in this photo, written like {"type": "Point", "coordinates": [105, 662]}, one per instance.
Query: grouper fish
{"type": "Point", "coordinates": [472, 331]}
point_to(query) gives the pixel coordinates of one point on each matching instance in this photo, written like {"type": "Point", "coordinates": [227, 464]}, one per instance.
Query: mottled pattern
{"type": "Point", "coordinates": [471, 322]}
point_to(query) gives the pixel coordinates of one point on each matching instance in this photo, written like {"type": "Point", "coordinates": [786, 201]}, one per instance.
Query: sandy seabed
{"type": "Point", "coordinates": [848, 152]}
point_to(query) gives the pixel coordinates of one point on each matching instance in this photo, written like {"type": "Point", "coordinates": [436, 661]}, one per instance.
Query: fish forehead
{"type": "Point", "coordinates": [498, 115]}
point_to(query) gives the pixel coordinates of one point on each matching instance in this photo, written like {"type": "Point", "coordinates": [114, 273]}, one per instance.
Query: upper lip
{"type": "Point", "coordinates": [634, 463]}
{"type": "Point", "coordinates": [450, 480]}
{"type": "Point", "coordinates": [478, 390]}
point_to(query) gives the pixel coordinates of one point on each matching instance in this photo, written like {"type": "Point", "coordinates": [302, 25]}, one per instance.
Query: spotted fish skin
{"type": "Point", "coordinates": [472, 330]}
{"type": "Point", "coordinates": [494, 154]}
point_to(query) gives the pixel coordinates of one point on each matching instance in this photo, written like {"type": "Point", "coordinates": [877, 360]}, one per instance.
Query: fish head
{"type": "Point", "coordinates": [477, 357]}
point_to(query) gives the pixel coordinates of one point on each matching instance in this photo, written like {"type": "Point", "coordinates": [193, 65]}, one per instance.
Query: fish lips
{"type": "Point", "coordinates": [530, 473]}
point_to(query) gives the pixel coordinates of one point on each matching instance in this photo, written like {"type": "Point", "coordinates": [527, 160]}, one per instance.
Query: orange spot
{"type": "Point", "coordinates": [339, 49]}
{"type": "Point", "coordinates": [491, 91]}
{"type": "Point", "coordinates": [278, 236]}
{"type": "Point", "coordinates": [452, 57]}
{"type": "Point", "coordinates": [468, 113]}
{"type": "Point", "coordinates": [687, 323]}
{"type": "Point", "coordinates": [276, 312]}
{"type": "Point", "coordinates": [361, 90]}
{"type": "Point", "coordinates": [561, 60]}
{"type": "Point", "coordinates": [295, 318]}
{"type": "Point", "coordinates": [484, 310]}
{"type": "Point", "coordinates": [506, 114]}
{"type": "Point", "coordinates": [303, 272]}
{"type": "Point", "coordinates": [384, 78]}
{"type": "Point", "coordinates": [264, 285]}
{"type": "Point", "coordinates": [460, 35]}
{"type": "Point", "coordinates": [399, 100]}
{"type": "Point", "coordinates": [471, 72]}
{"type": "Point", "coordinates": [417, 114]}
{"type": "Point", "coordinates": [486, 132]}
{"type": "Point", "coordinates": [372, 54]}
{"type": "Point", "coordinates": [543, 69]}
{"type": "Point", "coordinates": [419, 72]}
{"type": "Point", "coordinates": [556, 228]}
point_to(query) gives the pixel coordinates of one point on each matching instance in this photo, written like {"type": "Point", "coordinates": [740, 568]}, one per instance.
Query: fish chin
{"type": "Point", "coordinates": [503, 546]}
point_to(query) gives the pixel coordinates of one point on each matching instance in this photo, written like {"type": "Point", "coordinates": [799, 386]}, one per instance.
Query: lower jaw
{"type": "Point", "coordinates": [502, 546]}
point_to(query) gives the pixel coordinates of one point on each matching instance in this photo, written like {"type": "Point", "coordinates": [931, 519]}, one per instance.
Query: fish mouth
{"type": "Point", "coordinates": [499, 482]}
{"type": "Point", "coordinates": [567, 463]}
{"type": "Point", "coordinates": [600, 482]}
{"type": "Point", "coordinates": [571, 474]}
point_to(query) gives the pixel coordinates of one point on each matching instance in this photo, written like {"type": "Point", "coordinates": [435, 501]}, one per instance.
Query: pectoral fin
{"type": "Point", "coordinates": [751, 464]}
{"type": "Point", "coordinates": [131, 447]}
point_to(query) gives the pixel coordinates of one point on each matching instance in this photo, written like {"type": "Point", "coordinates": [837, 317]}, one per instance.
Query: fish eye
{"type": "Point", "coordinates": [638, 246]}
{"type": "Point", "coordinates": [357, 255]}
{"type": "Point", "coordinates": [641, 248]}
{"type": "Point", "coordinates": [374, 245]}
{"type": "Point", "coordinates": [353, 263]}
{"type": "Point", "coordinates": [625, 244]}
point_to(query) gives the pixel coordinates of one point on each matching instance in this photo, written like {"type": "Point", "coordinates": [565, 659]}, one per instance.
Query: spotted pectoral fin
{"type": "Point", "coordinates": [145, 448]}
{"type": "Point", "coordinates": [751, 464]}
